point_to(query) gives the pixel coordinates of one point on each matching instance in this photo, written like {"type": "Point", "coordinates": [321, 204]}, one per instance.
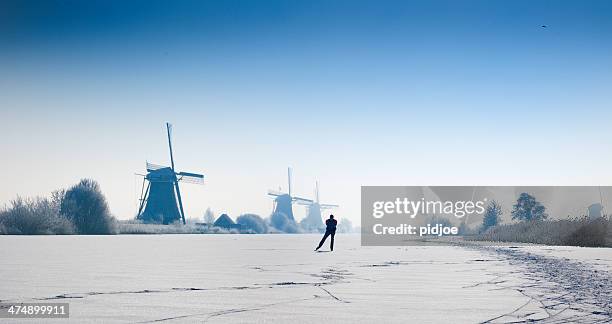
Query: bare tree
{"type": "Point", "coordinates": [209, 216]}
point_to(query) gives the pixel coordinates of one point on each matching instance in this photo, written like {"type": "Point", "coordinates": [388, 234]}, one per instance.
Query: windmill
{"type": "Point", "coordinates": [283, 201]}
{"type": "Point", "coordinates": [161, 201]}
{"type": "Point", "coordinates": [313, 221]}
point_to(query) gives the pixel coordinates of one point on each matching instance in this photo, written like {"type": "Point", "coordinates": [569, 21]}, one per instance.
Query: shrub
{"type": "Point", "coordinates": [281, 222]}
{"type": "Point", "coordinates": [345, 226]}
{"type": "Point", "coordinates": [465, 230]}
{"type": "Point", "coordinates": [139, 227]}
{"type": "Point", "coordinates": [85, 205]}
{"type": "Point", "coordinates": [592, 232]}
{"type": "Point", "coordinates": [34, 217]}
{"type": "Point", "coordinates": [577, 232]}
{"type": "Point", "coordinates": [253, 223]}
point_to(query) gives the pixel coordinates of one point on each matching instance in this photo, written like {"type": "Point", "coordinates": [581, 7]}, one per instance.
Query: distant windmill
{"type": "Point", "coordinates": [283, 201]}
{"type": "Point", "coordinates": [313, 221]}
{"type": "Point", "coordinates": [161, 201]}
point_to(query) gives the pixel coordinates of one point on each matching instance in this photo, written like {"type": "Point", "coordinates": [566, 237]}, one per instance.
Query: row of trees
{"type": "Point", "coordinates": [81, 209]}
{"type": "Point", "coordinates": [526, 208]}
{"type": "Point", "coordinates": [277, 222]}
{"type": "Point", "coordinates": [284, 224]}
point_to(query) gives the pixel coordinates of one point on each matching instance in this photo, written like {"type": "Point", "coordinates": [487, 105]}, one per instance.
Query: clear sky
{"type": "Point", "coordinates": [347, 92]}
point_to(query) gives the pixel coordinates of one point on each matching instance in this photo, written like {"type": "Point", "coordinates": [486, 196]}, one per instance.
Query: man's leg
{"type": "Point", "coordinates": [331, 246]}
{"type": "Point", "coordinates": [323, 240]}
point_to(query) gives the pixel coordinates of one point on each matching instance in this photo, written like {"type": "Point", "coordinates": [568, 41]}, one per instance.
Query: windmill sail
{"type": "Point", "coordinates": [328, 206]}
{"type": "Point", "coordinates": [190, 177]}
{"type": "Point", "coordinates": [275, 193]}
{"type": "Point", "coordinates": [302, 200]}
{"type": "Point", "coordinates": [153, 167]}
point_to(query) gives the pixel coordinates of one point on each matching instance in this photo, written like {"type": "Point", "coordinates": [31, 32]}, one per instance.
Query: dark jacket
{"type": "Point", "coordinates": [331, 225]}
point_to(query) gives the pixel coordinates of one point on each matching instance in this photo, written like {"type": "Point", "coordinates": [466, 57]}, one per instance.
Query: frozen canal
{"type": "Point", "coordinates": [278, 278]}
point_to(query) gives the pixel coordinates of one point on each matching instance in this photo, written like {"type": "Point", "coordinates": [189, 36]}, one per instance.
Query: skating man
{"type": "Point", "coordinates": [329, 230]}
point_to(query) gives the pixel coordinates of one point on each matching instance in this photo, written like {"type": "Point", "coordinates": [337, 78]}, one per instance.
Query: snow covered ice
{"type": "Point", "coordinates": [278, 278]}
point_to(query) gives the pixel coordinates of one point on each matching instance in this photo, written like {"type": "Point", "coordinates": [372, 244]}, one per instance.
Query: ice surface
{"type": "Point", "coordinates": [278, 278]}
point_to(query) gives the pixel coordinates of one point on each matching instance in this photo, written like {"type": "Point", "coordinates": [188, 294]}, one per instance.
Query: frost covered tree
{"type": "Point", "coordinates": [253, 223]}
{"type": "Point", "coordinates": [37, 216]}
{"type": "Point", "coordinates": [527, 208]}
{"type": "Point", "coordinates": [345, 226]}
{"type": "Point", "coordinates": [492, 215]}
{"type": "Point", "coordinates": [281, 222]}
{"type": "Point", "coordinates": [85, 206]}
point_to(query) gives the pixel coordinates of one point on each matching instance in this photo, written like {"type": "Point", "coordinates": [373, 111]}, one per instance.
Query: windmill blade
{"type": "Point", "coordinates": [289, 179]}
{"type": "Point", "coordinates": [191, 177]}
{"type": "Point", "coordinates": [301, 200]}
{"type": "Point", "coordinates": [153, 167]}
{"type": "Point", "coordinates": [275, 193]}
{"type": "Point", "coordinates": [329, 206]}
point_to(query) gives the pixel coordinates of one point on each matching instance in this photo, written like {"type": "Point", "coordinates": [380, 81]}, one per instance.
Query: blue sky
{"type": "Point", "coordinates": [347, 92]}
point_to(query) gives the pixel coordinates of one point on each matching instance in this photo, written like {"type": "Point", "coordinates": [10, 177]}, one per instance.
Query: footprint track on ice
{"type": "Point", "coordinates": [566, 291]}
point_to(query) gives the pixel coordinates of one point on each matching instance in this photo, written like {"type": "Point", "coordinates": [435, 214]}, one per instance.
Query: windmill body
{"type": "Point", "coordinates": [313, 221]}
{"type": "Point", "coordinates": [161, 202]}
{"type": "Point", "coordinates": [284, 204]}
